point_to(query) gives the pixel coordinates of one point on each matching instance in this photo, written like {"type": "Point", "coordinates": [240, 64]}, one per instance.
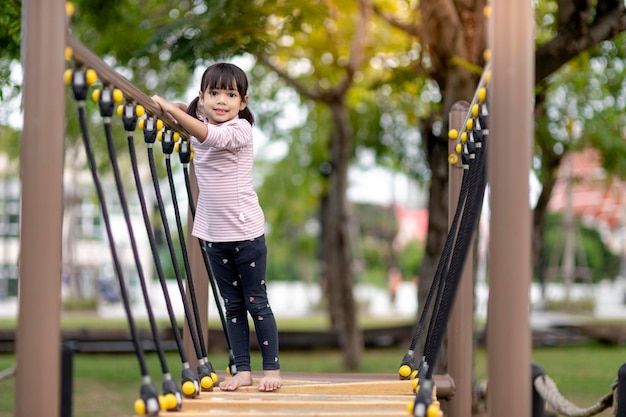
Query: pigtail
{"type": "Point", "coordinates": [193, 107]}
{"type": "Point", "coordinates": [247, 114]}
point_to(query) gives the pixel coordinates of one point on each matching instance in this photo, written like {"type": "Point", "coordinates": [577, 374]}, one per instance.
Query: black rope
{"type": "Point", "coordinates": [130, 124]}
{"type": "Point", "coordinates": [472, 209]}
{"type": "Point", "coordinates": [133, 242]}
{"type": "Point", "coordinates": [184, 153]}
{"type": "Point", "coordinates": [148, 392]}
{"type": "Point", "coordinates": [438, 282]}
{"type": "Point", "coordinates": [204, 368]}
{"type": "Point", "coordinates": [190, 284]}
{"type": "Point", "coordinates": [107, 223]}
{"type": "Point", "coordinates": [192, 293]}
{"type": "Point", "coordinates": [170, 245]}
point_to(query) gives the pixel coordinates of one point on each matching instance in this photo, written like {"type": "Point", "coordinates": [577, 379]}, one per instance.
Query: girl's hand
{"type": "Point", "coordinates": [161, 102]}
{"type": "Point", "coordinates": [165, 107]}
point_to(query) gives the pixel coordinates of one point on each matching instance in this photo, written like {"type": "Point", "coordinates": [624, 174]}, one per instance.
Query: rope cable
{"type": "Point", "coordinates": [181, 235]}
{"type": "Point", "coordinates": [154, 250]}
{"type": "Point", "coordinates": [548, 390]}
{"type": "Point", "coordinates": [107, 223]}
{"type": "Point", "coordinates": [133, 244]}
{"type": "Point", "coordinates": [477, 177]}
{"type": "Point", "coordinates": [207, 264]}
{"type": "Point", "coordinates": [443, 266]}
{"type": "Point", "coordinates": [409, 359]}
{"type": "Point", "coordinates": [170, 245]}
{"type": "Point", "coordinates": [9, 372]}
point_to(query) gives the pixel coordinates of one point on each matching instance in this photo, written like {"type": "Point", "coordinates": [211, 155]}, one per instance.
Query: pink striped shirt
{"type": "Point", "coordinates": [228, 208]}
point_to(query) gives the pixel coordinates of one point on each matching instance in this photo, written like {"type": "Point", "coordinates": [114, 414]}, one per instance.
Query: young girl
{"type": "Point", "coordinates": [228, 215]}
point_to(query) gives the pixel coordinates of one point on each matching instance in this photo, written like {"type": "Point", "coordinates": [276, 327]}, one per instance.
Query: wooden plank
{"type": "Point", "coordinates": [346, 388]}
{"type": "Point", "coordinates": [307, 395]}
{"type": "Point", "coordinates": [277, 402]}
{"type": "Point", "coordinates": [298, 412]}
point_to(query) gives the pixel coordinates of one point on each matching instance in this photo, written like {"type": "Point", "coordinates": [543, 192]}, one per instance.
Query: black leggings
{"type": "Point", "coordinates": [239, 269]}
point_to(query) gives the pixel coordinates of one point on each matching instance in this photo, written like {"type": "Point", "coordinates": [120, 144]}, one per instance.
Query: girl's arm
{"type": "Point", "coordinates": [178, 111]}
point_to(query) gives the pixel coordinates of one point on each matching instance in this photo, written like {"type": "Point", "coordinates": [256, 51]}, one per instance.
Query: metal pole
{"type": "Point", "coordinates": [620, 408]}
{"type": "Point", "coordinates": [461, 326]}
{"type": "Point", "coordinates": [509, 266]}
{"type": "Point", "coordinates": [538, 403]}
{"type": "Point", "coordinates": [38, 338]}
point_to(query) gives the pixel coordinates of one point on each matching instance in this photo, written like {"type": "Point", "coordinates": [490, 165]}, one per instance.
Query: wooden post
{"type": "Point", "coordinates": [461, 326]}
{"type": "Point", "coordinates": [38, 337]}
{"type": "Point", "coordinates": [511, 95]}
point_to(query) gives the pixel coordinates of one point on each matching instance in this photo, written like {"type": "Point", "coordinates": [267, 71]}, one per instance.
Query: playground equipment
{"type": "Point", "coordinates": [508, 345]}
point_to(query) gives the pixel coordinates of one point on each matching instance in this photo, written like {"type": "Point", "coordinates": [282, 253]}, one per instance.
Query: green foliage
{"type": "Point", "coordinates": [410, 259]}
{"type": "Point", "coordinates": [601, 261]}
{"type": "Point", "coordinates": [10, 35]}
{"type": "Point", "coordinates": [10, 142]}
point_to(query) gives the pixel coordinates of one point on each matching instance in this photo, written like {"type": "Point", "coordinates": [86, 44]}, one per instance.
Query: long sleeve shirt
{"type": "Point", "coordinates": [228, 208]}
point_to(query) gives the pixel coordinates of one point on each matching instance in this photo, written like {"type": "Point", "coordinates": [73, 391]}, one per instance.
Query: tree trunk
{"type": "Point", "coordinates": [336, 251]}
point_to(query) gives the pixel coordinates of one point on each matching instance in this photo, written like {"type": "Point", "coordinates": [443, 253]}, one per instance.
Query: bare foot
{"type": "Point", "coordinates": [271, 381]}
{"type": "Point", "coordinates": [240, 379]}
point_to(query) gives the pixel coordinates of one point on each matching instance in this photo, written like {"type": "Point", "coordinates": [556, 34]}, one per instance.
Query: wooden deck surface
{"type": "Point", "coordinates": [323, 395]}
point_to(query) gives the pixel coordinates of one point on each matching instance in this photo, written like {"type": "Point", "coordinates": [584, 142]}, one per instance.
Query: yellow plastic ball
{"type": "Point", "coordinates": [206, 382]}
{"type": "Point", "coordinates": [95, 96]}
{"type": "Point", "coordinates": [141, 124]}
{"type": "Point", "coordinates": [191, 156]}
{"type": "Point", "coordinates": [414, 373]}
{"type": "Point", "coordinates": [228, 371]}
{"type": "Point", "coordinates": [487, 55]}
{"type": "Point", "coordinates": [118, 96]}
{"type": "Point", "coordinates": [453, 134]}
{"type": "Point", "coordinates": [488, 76]}
{"type": "Point", "coordinates": [120, 110]}
{"type": "Point", "coordinates": [176, 136]}
{"type": "Point", "coordinates": [69, 8]}
{"type": "Point", "coordinates": [162, 403]}
{"type": "Point", "coordinates": [69, 53]}
{"type": "Point", "coordinates": [215, 377]}
{"type": "Point", "coordinates": [160, 136]}
{"type": "Point", "coordinates": [404, 371]}
{"type": "Point", "coordinates": [189, 388]}
{"type": "Point", "coordinates": [176, 147]}
{"type": "Point", "coordinates": [469, 124]}
{"type": "Point", "coordinates": [487, 11]}
{"type": "Point", "coordinates": [159, 124]}
{"type": "Point", "coordinates": [91, 76]}
{"type": "Point", "coordinates": [475, 110]}
{"type": "Point", "coordinates": [170, 401]}
{"type": "Point", "coordinates": [139, 110]}
{"type": "Point", "coordinates": [432, 411]}
{"type": "Point", "coordinates": [67, 76]}
{"type": "Point", "coordinates": [416, 382]}
{"type": "Point", "coordinates": [410, 407]}
{"type": "Point", "coordinates": [140, 407]}
{"type": "Point", "coordinates": [482, 94]}
{"type": "Point", "coordinates": [458, 148]}
{"type": "Point", "coordinates": [464, 137]}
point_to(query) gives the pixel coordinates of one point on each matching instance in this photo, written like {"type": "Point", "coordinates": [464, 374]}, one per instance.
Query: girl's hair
{"type": "Point", "coordinates": [224, 76]}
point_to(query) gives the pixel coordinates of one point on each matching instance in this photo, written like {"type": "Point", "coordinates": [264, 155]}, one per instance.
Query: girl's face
{"type": "Point", "coordinates": [221, 105]}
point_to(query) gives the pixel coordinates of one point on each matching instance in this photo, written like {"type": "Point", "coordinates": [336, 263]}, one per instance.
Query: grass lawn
{"type": "Point", "coordinates": [108, 385]}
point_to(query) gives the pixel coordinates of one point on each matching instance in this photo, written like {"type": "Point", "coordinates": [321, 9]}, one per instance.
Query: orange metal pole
{"type": "Point", "coordinates": [509, 265]}
{"type": "Point", "coordinates": [461, 326]}
{"type": "Point", "coordinates": [38, 338]}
